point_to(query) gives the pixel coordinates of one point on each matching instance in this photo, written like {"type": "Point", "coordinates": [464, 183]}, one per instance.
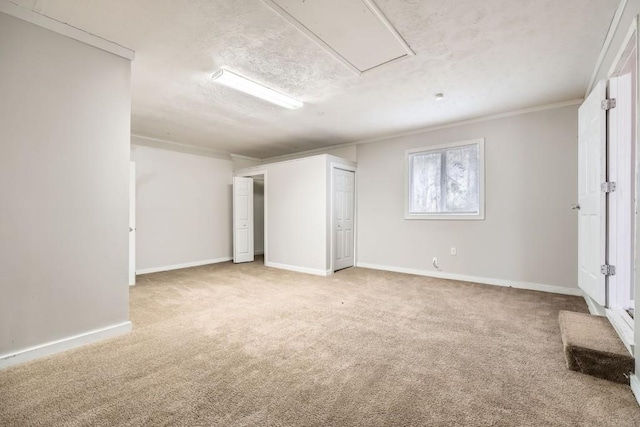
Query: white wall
{"type": "Point", "coordinates": [529, 234]}
{"type": "Point", "coordinates": [64, 162]}
{"type": "Point", "coordinates": [296, 203]}
{"type": "Point", "coordinates": [183, 208]}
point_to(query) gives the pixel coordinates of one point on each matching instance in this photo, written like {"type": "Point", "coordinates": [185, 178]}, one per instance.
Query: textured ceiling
{"type": "Point", "coordinates": [487, 57]}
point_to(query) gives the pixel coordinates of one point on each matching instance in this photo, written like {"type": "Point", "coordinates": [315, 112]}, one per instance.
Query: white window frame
{"type": "Point", "coordinates": [445, 216]}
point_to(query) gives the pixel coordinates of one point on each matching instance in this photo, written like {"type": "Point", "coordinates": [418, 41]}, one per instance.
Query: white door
{"type": "Point", "coordinates": [592, 145]}
{"type": "Point", "coordinates": [343, 218]}
{"type": "Point", "coordinates": [132, 223]}
{"type": "Point", "coordinates": [242, 219]}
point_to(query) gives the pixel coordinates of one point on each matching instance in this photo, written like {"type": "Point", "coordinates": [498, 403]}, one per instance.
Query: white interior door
{"type": "Point", "coordinates": [242, 219]}
{"type": "Point", "coordinates": [343, 218]}
{"type": "Point", "coordinates": [132, 223]}
{"type": "Point", "coordinates": [592, 141]}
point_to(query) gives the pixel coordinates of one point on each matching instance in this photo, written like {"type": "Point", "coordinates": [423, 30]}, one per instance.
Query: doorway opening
{"type": "Point", "coordinates": [258, 217]}
{"type": "Point", "coordinates": [621, 200]}
{"type": "Point", "coordinates": [607, 187]}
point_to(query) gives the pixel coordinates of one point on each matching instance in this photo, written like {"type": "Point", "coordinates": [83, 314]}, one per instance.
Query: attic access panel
{"type": "Point", "coordinates": [354, 31]}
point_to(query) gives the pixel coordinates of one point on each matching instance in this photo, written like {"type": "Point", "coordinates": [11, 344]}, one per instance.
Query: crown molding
{"type": "Point", "coordinates": [431, 129]}
{"type": "Point", "coordinates": [41, 20]}
{"type": "Point", "coordinates": [163, 144]}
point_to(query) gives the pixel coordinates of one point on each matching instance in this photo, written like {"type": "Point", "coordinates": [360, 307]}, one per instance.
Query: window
{"type": "Point", "coordinates": [445, 181]}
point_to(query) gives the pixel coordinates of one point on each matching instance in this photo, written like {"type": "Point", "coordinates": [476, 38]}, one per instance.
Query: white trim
{"type": "Point", "coordinates": [635, 386]}
{"type": "Point", "coordinates": [444, 216]}
{"type": "Point", "coordinates": [624, 331]}
{"type": "Point", "coordinates": [63, 344]}
{"type": "Point", "coordinates": [251, 170]}
{"type": "Point", "coordinates": [314, 271]}
{"type": "Point", "coordinates": [389, 26]}
{"type": "Point", "coordinates": [475, 279]}
{"type": "Point", "coordinates": [594, 308]}
{"type": "Point", "coordinates": [307, 153]}
{"type": "Point", "coordinates": [330, 50]}
{"type": "Point", "coordinates": [427, 129]}
{"type": "Point", "coordinates": [472, 121]}
{"type": "Point", "coordinates": [354, 169]}
{"type": "Point", "coordinates": [239, 156]}
{"type": "Point", "coordinates": [183, 265]}
{"type": "Point", "coordinates": [64, 29]}
{"type": "Point", "coordinates": [132, 223]}
{"type": "Point", "coordinates": [311, 35]}
{"type": "Point", "coordinates": [623, 48]}
{"type": "Point", "coordinates": [258, 253]}
{"type": "Point", "coordinates": [163, 144]}
{"type": "Point", "coordinates": [615, 22]}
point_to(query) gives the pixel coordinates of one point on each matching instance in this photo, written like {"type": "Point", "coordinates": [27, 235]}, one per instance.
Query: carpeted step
{"type": "Point", "coordinates": [592, 346]}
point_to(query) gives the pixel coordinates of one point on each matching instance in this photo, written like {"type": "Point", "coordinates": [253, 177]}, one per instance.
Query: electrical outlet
{"type": "Point", "coordinates": [454, 251]}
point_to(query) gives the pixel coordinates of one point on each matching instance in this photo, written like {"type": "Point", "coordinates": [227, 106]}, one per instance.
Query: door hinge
{"type": "Point", "coordinates": [608, 187]}
{"type": "Point", "coordinates": [608, 104]}
{"type": "Point", "coordinates": [608, 270]}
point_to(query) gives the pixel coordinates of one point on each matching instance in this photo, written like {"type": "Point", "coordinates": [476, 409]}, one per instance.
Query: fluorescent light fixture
{"type": "Point", "coordinates": [243, 84]}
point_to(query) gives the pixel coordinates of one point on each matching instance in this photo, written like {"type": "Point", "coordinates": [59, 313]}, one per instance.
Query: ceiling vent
{"type": "Point", "coordinates": [354, 31]}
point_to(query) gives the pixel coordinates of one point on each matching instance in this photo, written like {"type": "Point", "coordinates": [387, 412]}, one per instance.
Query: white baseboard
{"type": "Point", "coordinates": [64, 344]}
{"type": "Point", "coordinates": [484, 280]}
{"type": "Point", "coordinates": [622, 328]}
{"type": "Point", "coordinates": [635, 387]}
{"type": "Point", "coordinates": [258, 253]}
{"type": "Point", "coordinates": [594, 308]}
{"type": "Point", "coordinates": [183, 265]}
{"type": "Point", "coordinates": [297, 269]}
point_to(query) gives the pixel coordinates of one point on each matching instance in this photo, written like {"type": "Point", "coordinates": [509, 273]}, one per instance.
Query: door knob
{"type": "Point", "coordinates": [575, 207]}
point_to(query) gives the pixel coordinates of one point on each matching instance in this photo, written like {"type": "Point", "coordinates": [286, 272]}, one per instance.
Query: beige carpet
{"type": "Point", "coordinates": [244, 345]}
{"type": "Point", "coordinates": [592, 347]}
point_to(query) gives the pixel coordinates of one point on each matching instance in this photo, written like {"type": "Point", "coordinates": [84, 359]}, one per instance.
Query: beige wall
{"type": "Point", "coordinates": [64, 165]}
{"type": "Point", "coordinates": [183, 207]}
{"type": "Point", "coordinates": [529, 234]}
